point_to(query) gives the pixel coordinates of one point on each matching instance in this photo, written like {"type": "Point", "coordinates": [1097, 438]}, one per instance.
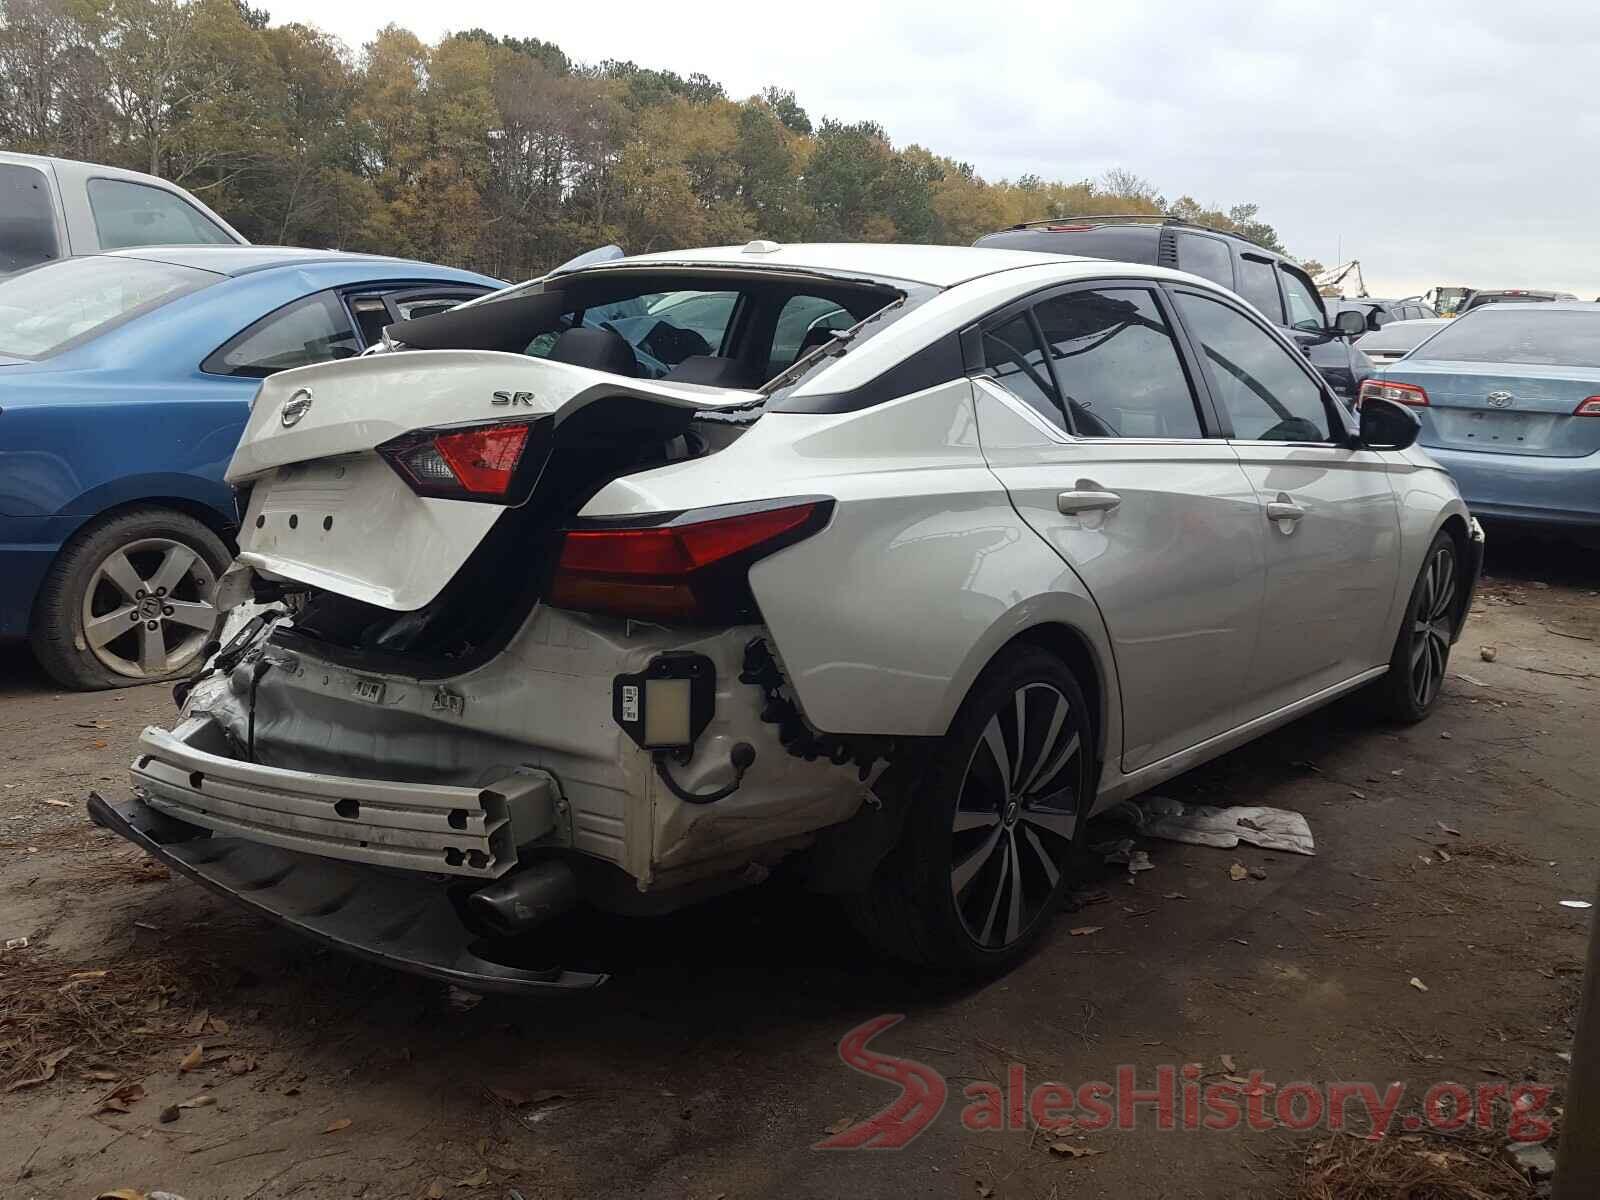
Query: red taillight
{"type": "Point", "coordinates": [492, 463]}
{"type": "Point", "coordinates": [692, 570]}
{"type": "Point", "coordinates": [1589, 408]}
{"type": "Point", "coordinates": [1400, 393]}
{"type": "Point", "coordinates": [483, 460]}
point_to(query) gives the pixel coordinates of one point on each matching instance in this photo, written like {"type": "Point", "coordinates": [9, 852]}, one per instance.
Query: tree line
{"type": "Point", "coordinates": [498, 153]}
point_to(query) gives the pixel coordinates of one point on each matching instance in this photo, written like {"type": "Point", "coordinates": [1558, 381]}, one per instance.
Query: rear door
{"type": "Point", "coordinates": [31, 230]}
{"type": "Point", "coordinates": [1326, 519]}
{"type": "Point", "coordinates": [1090, 415]}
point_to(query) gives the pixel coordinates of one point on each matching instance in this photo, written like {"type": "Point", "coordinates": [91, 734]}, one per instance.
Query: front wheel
{"type": "Point", "coordinates": [990, 837]}
{"type": "Point", "coordinates": [1422, 648]}
{"type": "Point", "coordinates": [129, 600]}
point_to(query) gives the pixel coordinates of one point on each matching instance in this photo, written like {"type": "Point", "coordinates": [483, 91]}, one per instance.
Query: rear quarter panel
{"type": "Point", "coordinates": [884, 619]}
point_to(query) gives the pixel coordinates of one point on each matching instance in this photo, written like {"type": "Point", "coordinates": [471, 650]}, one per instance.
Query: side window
{"type": "Point", "coordinates": [1117, 365]}
{"type": "Point", "coordinates": [312, 330]}
{"type": "Point", "coordinates": [135, 214]}
{"type": "Point", "coordinates": [1267, 394]}
{"type": "Point", "coordinates": [1258, 283]}
{"type": "Point", "coordinates": [804, 324]}
{"type": "Point", "coordinates": [27, 219]}
{"type": "Point", "coordinates": [1305, 310]}
{"type": "Point", "coordinates": [1207, 257]}
{"type": "Point", "coordinates": [1013, 359]}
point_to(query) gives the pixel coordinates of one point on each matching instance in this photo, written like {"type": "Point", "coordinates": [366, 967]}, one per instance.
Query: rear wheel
{"type": "Point", "coordinates": [129, 600]}
{"type": "Point", "coordinates": [989, 841]}
{"type": "Point", "coordinates": [1422, 648]}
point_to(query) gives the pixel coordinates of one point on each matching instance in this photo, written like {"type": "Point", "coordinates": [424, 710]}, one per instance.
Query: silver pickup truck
{"type": "Point", "coordinates": [53, 208]}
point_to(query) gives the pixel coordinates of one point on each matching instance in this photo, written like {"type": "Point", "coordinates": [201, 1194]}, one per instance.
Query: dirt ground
{"type": "Point", "coordinates": [709, 1067]}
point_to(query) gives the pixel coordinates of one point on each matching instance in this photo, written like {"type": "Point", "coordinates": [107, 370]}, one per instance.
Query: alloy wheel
{"type": "Point", "coordinates": [1015, 816]}
{"type": "Point", "coordinates": [1431, 626]}
{"type": "Point", "coordinates": [148, 608]}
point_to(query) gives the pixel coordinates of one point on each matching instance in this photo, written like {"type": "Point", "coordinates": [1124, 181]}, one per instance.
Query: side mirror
{"type": "Point", "coordinates": [1386, 425]}
{"type": "Point", "coordinates": [1350, 323]}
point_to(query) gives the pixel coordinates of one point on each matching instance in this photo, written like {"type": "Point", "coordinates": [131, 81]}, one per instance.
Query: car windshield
{"type": "Point", "coordinates": [43, 309]}
{"type": "Point", "coordinates": [1535, 335]}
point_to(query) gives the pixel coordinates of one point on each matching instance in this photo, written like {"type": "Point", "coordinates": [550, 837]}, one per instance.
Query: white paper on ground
{"type": "Point", "coordinates": [1204, 825]}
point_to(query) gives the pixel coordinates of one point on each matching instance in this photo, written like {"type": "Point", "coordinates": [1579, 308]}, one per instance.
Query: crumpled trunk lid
{"type": "Point", "coordinates": [327, 511]}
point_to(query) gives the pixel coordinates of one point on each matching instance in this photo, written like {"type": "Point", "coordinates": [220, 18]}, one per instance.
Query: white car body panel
{"type": "Point", "coordinates": [358, 529]}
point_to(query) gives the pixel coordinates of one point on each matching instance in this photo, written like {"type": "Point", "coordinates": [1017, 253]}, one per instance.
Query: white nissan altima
{"type": "Point", "coordinates": [619, 587]}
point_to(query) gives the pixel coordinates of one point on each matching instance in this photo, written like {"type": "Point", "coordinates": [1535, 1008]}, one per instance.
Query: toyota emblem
{"type": "Point", "coordinates": [295, 407]}
{"type": "Point", "coordinates": [1500, 399]}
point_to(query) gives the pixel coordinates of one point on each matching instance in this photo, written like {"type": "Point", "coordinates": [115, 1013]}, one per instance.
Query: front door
{"type": "Point", "coordinates": [1102, 443]}
{"type": "Point", "coordinates": [1327, 518]}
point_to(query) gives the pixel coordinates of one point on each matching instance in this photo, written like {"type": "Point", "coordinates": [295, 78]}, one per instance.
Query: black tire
{"type": "Point", "coordinates": [86, 585]}
{"type": "Point", "coordinates": [915, 909]}
{"type": "Point", "coordinates": [1421, 656]}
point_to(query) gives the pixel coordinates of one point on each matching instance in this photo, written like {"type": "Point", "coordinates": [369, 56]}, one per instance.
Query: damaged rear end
{"type": "Point", "coordinates": [457, 710]}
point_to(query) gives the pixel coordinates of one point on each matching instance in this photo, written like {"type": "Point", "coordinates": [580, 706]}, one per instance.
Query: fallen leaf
{"type": "Point", "coordinates": [1447, 829]}
{"type": "Point", "coordinates": [47, 1070]}
{"type": "Point", "coordinates": [98, 745]}
{"type": "Point", "coordinates": [1240, 941]}
{"type": "Point", "coordinates": [1258, 872]}
{"type": "Point", "coordinates": [984, 1191]}
{"type": "Point", "coordinates": [18, 943]}
{"type": "Point", "coordinates": [1418, 984]}
{"type": "Point", "coordinates": [192, 1059]}
{"type": "Point", "coordinates": [1238, 871]}
{"type": "Point", "coordinates": [169, 1114]}
{"type": "Point", "coordinates": [1085, 930]}
{"type": "Point", "coordinates": [119, 1099]}
{"type": "Point", "coordinates": [1173, 896]}
{"type": "Point", "coordinates": [436, 1190]}
{"type": "Point", "coordinates": [477, 1179]}
{"type": "Point", "coordinates": [197, 1023]}
{"type": "Point", "coordinates": [1068, 1150]}
{"type": "Point", "coordinates": [840, 1125]}
{"type": "Point", "coordinates": [203, 1100]}
{"type": "Point", "coordinates": [240, 1064]}
{"type": "Point", "coordinates": [1446, 735]}
{"type": "Point", "coordinates": [218, 1025]}
{"type": "Point", "coordinates": [1358, 795]}
{"type": "Point", "coordinates": [1240, 1079]}
{"type": "Point", "coordinates": [1228, 1063]}
{"type": "Point", "coordinates": [1426, 861]}
{"type": "Point", "coordinates": [121, 1194]}
{"type": "Point", "coordinates": [101, 1076]}
{"type": "Point", "coordinates": [336, 1126]}
{"type": "Point", "coordinates": [58, 803]}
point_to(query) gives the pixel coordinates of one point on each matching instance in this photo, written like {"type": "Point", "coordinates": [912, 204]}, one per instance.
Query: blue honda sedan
{"type": "Point", "coordinates": [125, 381]}
{"type": "Point", "coordinates": [1509, 396]}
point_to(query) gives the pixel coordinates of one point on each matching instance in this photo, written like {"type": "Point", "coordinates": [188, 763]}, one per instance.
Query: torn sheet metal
{"type": "Point", "coordinates": [1224, 828]}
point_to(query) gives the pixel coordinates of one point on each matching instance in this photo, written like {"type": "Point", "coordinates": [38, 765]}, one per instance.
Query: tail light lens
{"type": "Point", "coordinates": [1589, 408]}
{"type": "Point", "coordinates": [692, 569]}
{"type": "Point", "coordinates": [1400, 393]}
{"type": "Point", "coordinates": [496, 463]}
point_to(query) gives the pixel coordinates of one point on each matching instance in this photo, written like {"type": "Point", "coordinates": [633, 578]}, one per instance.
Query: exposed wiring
{"type": "Point", "coordinates": [743, 755]}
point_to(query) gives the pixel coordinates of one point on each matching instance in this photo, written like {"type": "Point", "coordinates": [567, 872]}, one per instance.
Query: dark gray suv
{"type": "Point", "coordinates": [1273, 283]}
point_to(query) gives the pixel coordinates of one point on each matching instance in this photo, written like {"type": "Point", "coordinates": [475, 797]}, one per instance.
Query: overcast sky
{"type": "Point", "coordinates": [1440, 143]}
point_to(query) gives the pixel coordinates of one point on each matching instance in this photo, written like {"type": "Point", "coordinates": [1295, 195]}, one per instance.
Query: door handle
{"type": "Point", "coordinates": [1087, 500]}
{"type": "Point", "coordinates": [1284, 509]}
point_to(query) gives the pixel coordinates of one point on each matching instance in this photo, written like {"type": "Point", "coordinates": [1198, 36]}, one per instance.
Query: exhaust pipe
{"type": "Point", "coordinates": [525, 899]}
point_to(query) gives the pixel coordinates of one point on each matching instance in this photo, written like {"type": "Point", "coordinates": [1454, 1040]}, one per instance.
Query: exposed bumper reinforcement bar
{"type": "Point", "coordinates": [419, 827]}
{"type": "Point", "coordinates": [402, 921]}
